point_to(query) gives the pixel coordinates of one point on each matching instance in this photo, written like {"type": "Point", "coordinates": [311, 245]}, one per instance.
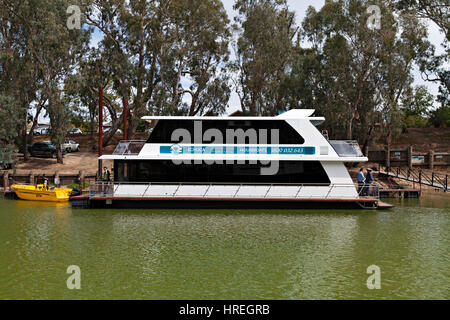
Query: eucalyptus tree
{"type": "Point", "coordinates": [10, 120]}
{"type": "Point", "coordinates": [435, 10]}
{"type": "Point", "coordinates": [56, 50]}
{"type": "Point", "coordinates": [434, 67]}
{"type": "Point", "coordinates": [415, 105]}
{"type": "Point", "coordinates": [264, 51]}
{"type": "Point", "coordinates": [194, 52]}
{"type": "Point", "coordinates": [18, 76]}
{"type": "Point", "coordinates": [47, 52]}
{"type": "Point", "coordinates": [348, 64]}
{"type": "Point", "coordinates": [164, 56]}
{"type": "Point", "coordinates": [82, 88]}
{"type": "Point", "coordinates": [358, 73]}
{"type": "Point", "coordinates": [396, 73]}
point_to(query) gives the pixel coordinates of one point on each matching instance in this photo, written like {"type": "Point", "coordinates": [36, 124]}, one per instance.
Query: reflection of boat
{"type": "Point", "coordinates": [41, 193]}
{"type": "Point", "coordinates": [42, 205]}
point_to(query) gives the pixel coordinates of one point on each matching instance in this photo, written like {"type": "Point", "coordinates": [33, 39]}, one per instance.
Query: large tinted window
{"type": "Point", "coordinates": [163, 130]}
{"type": "Point", "coordinates": [299, 172]}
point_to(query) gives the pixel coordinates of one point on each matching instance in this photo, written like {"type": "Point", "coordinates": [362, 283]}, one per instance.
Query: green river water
{"type": "Point", "coordinates": [225, 254]}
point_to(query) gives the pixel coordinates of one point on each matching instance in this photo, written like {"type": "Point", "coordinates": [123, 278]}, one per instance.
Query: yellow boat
{"type": "Point", "coordinates": [41, 193]}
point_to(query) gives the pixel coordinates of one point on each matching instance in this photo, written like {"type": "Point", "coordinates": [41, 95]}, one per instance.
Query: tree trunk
{"type": "Point", "coordinates": [59, 155]}
{"type": "Point", "coordinates": [26, 155]}
{"type": "Point", "coordinates": [367, 141]}
{"type": "Point", "coordinates": [130, 132]}
{"type": "Point", "coordinates": [350, 125]}
{"type": "Point", "coordinates": [253, 107]}
{"type": "Point", "coordinates": [110, 134]}
{"type": "Point", "coordinates": [92, 126]}
{"type": "Point", "coordinates": [389, 139]}
{"type": "Point", "coordinates": [24, 134]}
{"type": "Point", "coordinates": [133, 124]}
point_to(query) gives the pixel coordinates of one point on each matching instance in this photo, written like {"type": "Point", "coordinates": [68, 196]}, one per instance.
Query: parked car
{"type": "Point", "coordinates": [44, 149]}
{"type": "Point", "coordinates": [118, 131]}
{"type": "Point", "coordinates": [75, 131]}
{"type": "Point", "coordinates": [70, 146]}
{"type": "Point", "coordinates": [41, 131]}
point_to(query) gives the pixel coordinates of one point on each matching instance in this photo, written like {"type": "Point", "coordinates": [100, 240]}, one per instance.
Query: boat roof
{"type": "Point", "coordinates": [293, 114]}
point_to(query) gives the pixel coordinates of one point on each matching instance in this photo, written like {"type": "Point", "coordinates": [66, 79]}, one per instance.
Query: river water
{"type": "Point", "coordinates": [225, 254]}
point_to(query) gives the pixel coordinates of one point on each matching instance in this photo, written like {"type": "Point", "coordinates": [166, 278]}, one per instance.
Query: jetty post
{"type": "Point", "coordinates": [100, 131]}
{"type": "Point", "coordinates": [5, 182]}
{"type": "Point", "coordinates": [431, 159]}
{"type": "Point", "coordinates": [125, 111]}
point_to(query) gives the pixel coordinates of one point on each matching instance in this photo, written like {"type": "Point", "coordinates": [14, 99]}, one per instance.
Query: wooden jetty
{"type": "Point", "coordinates": [405, 193]}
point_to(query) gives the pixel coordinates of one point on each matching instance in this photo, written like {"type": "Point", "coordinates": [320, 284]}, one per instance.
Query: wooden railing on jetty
{"type": "Point", "coordinates": [7, 179]}
{"type": "Point", "coordinates": [433, 179]}
{"type": "Point", "coordinates": [408, 158]}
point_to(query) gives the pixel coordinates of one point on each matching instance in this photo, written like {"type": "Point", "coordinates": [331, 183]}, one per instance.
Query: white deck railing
{"type": "Point", "coordinates": [234, 191]}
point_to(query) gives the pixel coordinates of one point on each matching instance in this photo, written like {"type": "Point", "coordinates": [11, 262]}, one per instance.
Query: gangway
{"type": "Point", "coordinates": [436, 180]}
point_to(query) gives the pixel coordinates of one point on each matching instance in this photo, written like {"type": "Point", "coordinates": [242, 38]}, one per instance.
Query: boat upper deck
{"type": "Point", "coordinates": [292, 135]}
{"type": "Point", "coordinates": [291, 114]}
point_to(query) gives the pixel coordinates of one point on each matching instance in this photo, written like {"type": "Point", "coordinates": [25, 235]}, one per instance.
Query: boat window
{"type": "Point", "coordinates": [295, 172]}
{"type": "Point", "coordinates": [129, 147]}
{"type": "Point", "coordinates": [162, 132]}
{"type": "Point", "coordinates": [346, 148]}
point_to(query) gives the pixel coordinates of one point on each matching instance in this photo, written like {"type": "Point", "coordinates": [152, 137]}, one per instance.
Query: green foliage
{"type": "Point", "coordinates": [440, 117]}
{"type": "Point", "coordinates": [10, 120]}
{"type": "Point", "coordinates": [415, 121]}
{"type": "Point", "coordinates": [264, 52]}
{"type": "Point", "coordinates": [41, 52]}
{"type": "Point", "coordinates": [415, 106]}
{"type": "Point", "coordinates": [84, 185]}
{"type": "Point", "coordinates": [354, 75]}
{"type": "Point", "coordinates": [165, 57]}
{"type": "Point", "coordinates": [172, 58]}
{"type": "Point", "coordinates": [435, 10]}
{"type": "Point", "coordinates": [417, 102]}
{"type": "Point", "coordinates": [78, 121]}
{"type": "Point", "coordinates": [57, 50]}
{"type": "Point", "coordinates": [434, 67]}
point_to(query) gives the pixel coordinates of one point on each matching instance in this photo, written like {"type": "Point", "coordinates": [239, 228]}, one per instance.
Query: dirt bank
{"type": "Point", "coordinates": [424, 139]}
{"type": "Point", "coordinates": [85, 160]}
{"type": "Point", "coordinates": [73, 163]}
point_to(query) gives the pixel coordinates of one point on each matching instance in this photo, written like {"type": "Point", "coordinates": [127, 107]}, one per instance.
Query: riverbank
{"type": "Point", "coordinates": [73, 163]}
{"type": "Point", "coordinates": [421, 139]}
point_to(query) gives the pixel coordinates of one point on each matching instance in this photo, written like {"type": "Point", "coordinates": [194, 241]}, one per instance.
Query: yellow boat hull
{"type": "Point", "coordinates": [41, 193]}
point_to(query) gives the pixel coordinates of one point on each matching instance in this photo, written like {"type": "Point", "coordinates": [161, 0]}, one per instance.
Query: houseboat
{"type": "Point", "coordinates": [234, 162]}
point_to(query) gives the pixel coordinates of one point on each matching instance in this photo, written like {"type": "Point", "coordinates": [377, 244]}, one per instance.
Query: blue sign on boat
{"type": "Point", "coordinates": [283, 150]}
